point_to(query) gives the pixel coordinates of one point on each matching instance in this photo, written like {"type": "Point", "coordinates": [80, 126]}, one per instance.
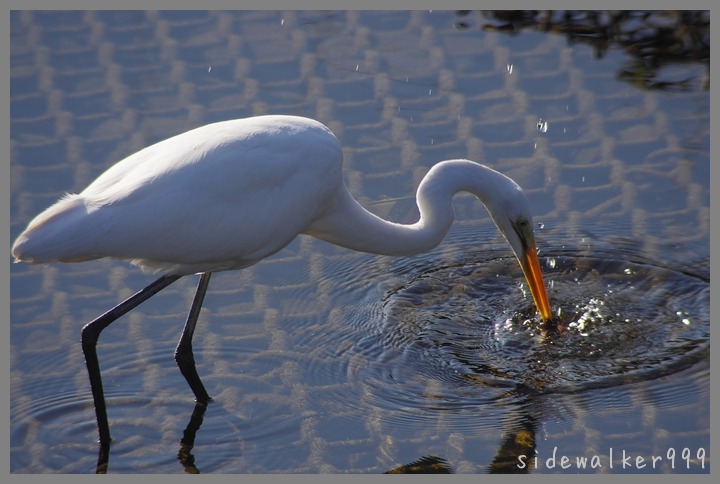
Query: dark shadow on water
{"type": "Point", "coordinates": [653, 40]}
{"type": "Point", "coordinates": [517, 449]}
{"type": "Point", "coordinates": [425, 465]}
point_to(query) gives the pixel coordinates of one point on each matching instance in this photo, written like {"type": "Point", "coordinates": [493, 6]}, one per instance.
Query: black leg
{"type": "Point", "coordinates": [91, 333]}
{"type": "Point", "coordinates": [183, 352]}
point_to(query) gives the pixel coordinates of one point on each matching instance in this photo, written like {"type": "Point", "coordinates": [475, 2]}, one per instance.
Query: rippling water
{"type": "Point", "coordinates": [321, 360]}
{"type": "Point", "coordinates": [448, 341]}
{"type": "Point", "coordinates": [462, 335]}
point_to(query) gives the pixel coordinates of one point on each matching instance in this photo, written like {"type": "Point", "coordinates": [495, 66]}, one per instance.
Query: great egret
{"type": "Point", "coordinates": [226, 195]}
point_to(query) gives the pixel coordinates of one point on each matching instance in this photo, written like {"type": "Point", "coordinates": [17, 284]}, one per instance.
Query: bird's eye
{"type": "Point", "coordinates": [521, 223]}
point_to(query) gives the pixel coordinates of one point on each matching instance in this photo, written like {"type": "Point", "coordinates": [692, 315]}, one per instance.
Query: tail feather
{"type": "Point", "coordinates": [54, 235]}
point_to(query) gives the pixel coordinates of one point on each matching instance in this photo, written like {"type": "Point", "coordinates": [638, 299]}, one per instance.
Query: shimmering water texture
{"type": "Point", "coordinates": [472, 328]}
{"type": "Point", "coordinates": [323, 360]}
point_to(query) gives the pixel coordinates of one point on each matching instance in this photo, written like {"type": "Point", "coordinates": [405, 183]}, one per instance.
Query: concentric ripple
{"type": "Point", "coordinates": [474, 325]}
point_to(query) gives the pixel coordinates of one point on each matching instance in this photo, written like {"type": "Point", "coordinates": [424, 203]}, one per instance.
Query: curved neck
{"type": "Point", "coordinates": [348, 224]}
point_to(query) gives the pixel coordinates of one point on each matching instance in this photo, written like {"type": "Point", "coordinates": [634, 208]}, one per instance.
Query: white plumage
{"type": "Point", "coordinates": [226, 195]}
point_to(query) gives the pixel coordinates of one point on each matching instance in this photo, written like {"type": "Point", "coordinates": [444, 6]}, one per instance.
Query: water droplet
{"type": "Point", "coordinates": [540, 225]}
{"type": "Point", "coordinates": [509, 68]}
{"type": "Point", "coordinates": [542, 125]}
{"type": "Point", "coordinates": [629, 271]}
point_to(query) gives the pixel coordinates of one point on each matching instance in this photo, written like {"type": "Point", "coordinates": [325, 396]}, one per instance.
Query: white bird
{"type": "Point", "coordinates": [226, 195]}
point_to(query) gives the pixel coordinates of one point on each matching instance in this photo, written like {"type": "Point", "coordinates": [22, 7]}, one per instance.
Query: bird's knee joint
{"type": "Point", "coordinates": [88, 339]}
{"type": "Point", "coordinates": [184, 357]}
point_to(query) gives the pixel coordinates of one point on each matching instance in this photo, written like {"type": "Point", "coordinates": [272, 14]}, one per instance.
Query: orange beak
{"type": "Point", "coordinates": [531, 268]}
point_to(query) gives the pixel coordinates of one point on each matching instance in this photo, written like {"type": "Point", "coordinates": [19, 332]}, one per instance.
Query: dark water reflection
{"type": "Point", "coordinates": [320, 360]}
{"type": "Point", "coordinates": [625, 319]}
{"type": "Point", "coordinates": [460, 343]}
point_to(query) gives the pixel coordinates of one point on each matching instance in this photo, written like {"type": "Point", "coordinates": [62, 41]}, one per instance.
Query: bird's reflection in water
{"type": "Point", "coordinates": [518, 445]}
{"type": "Point", "coordinates": [187, 442]}
{"type": "Point", "coordinates": [425, 465]}
{"type": "Point", "coordinates": [518, 441]}
{"type": "Point", "coordinates": [514, 456]}
{"type": "Point", "coordinates": [185, 456]}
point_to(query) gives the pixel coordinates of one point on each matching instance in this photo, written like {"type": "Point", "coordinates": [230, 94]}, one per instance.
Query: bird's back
{"type": "Point", "coordinates": [218, 197]}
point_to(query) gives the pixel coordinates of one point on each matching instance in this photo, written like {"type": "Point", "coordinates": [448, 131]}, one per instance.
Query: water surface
{"type": "Point", "coordinates": [323, 360]}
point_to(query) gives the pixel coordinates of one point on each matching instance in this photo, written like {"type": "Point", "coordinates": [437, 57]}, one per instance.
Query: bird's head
{"type": "Point", "coordinates": [512, 215]}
